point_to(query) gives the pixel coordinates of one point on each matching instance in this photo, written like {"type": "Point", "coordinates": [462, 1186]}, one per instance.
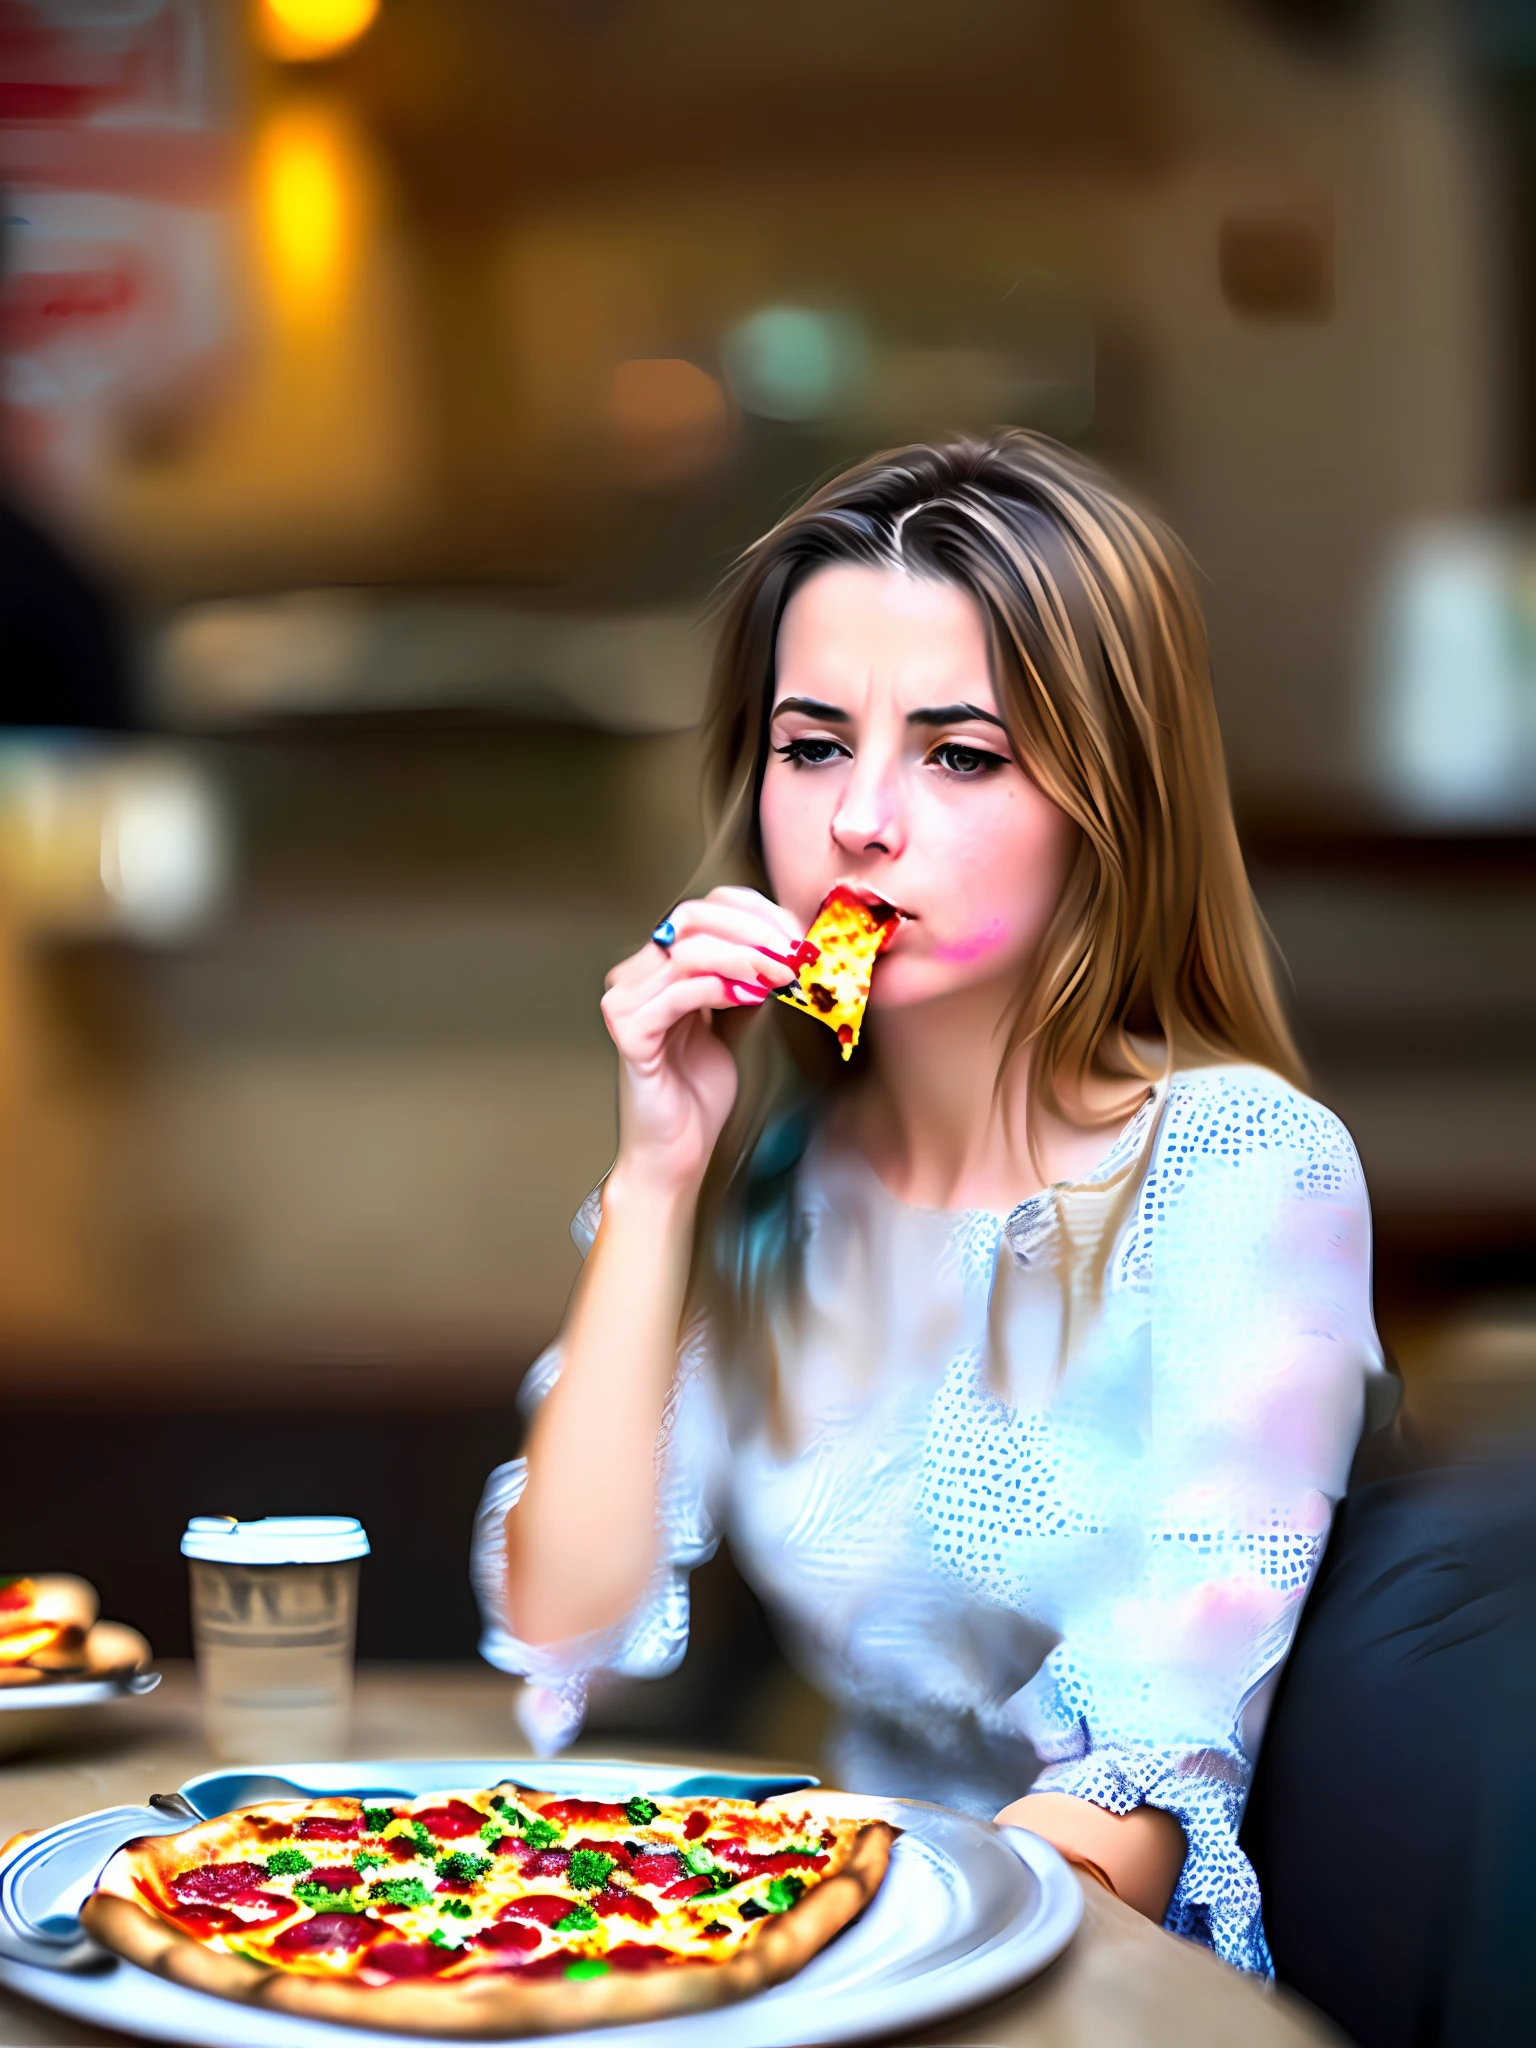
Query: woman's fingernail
{"type": "Point", "coordinates": [746, 995]}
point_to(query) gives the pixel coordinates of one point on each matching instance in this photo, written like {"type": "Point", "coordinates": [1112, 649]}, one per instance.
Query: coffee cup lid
{"type": "Point", "coordinates": [276, 1539]}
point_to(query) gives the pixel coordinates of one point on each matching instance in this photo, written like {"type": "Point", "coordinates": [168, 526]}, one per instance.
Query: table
{"type": "Point", "coordinates": [1123, 1983]}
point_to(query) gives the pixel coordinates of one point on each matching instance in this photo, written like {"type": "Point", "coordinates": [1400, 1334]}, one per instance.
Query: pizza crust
{"type": "Point", "coordinates": [495, 2004]}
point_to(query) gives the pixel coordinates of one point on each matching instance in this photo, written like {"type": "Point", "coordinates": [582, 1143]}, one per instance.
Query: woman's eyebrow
{"type": "Point", "coordinates": [812, 707]}
{"type": "Point", "coordinates": [953, 714]}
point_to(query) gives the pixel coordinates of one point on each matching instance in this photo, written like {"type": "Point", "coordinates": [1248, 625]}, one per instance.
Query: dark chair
{"type": "Point", "coordinates": [1393, 1816]}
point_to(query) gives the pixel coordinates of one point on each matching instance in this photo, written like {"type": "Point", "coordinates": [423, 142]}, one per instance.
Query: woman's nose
{"type": "Point", "coordinates": [868, 816]}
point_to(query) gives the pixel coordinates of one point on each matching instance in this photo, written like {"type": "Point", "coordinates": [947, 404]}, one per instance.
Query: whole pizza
{"type": "Point", "coordinates": [493, 1912]}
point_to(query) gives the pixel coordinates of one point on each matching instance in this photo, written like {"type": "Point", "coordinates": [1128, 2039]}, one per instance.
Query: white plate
{"type": "Point", "coordinates": [29, 1713]}
{"type": "Point", "coordinates": [967, 1912]}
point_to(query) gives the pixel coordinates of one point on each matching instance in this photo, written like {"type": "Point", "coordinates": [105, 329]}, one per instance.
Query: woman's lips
{"type": "Point", "coordinates": [874, 898]}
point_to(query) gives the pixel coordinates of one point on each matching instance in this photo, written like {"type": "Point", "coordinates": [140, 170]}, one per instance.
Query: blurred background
{"type": "Point", "coordinates": [385, 385]}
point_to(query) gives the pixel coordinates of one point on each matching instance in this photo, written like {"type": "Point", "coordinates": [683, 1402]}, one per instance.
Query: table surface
{"type": "Point", "coordinates": [1122, 1983]}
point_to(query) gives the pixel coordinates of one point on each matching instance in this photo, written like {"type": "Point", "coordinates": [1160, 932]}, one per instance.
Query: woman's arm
{"type": "Point", "coordinates": [581, 1540]}
{"type": "Point", "coordinates": [1139, 1853]}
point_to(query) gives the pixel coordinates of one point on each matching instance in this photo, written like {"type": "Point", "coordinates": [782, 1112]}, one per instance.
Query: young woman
{"type": "Point", "coordinates": [1023, 1357]}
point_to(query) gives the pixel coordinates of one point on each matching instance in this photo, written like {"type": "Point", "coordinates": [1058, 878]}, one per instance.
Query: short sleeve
{"type": "Point", "coordinates": [650, 1640]}
{"type": "Point", "coordinates": [1253, 1239]}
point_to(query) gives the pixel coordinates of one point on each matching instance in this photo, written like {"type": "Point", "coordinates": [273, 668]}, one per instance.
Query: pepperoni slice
{"type": "Point", "coordinates": [259, 1909]}
{"type": "Point", "coordinates": [553, 1965]}
{"type": "Point", "coordinates": [213, 1884]}
{"type": "Point", "coordinates": [516, 1848]}
{"type": "Point", "coordinates": [336, 1877]}
{"type": "Point", "coordinates": [328, 1827]}
{"type": "Point", "coordinates": [568, 1811]}
{"type": "Point", "coordinates": [404, 1848]}
{"type": "Point", "coordinates": [545, 1907]}
{"type": "Point", "coordinates": [749, 1863]}
{"type": "Point", "coordinates": [449, 1822]}
{"type": "Point", "coordinates": [616, 1850]}
{"type": "Point", "coordinates": [327, 1930]}
{"type": "Point", "coordinates": [658, 1866]}
{"type": "Point", "coordinates": [508, 1934]}
{"type": "Point", "coordinates": [629, 1904]}
{"type": "Point", "coordinates": [637, 1955]}
{"type": "Point", "coordinates": [205, 1920]}
{"type": "Point", "coordinates": [697, 1824]}
{"type": "Point", "coordinates": [548, 1863]}
{"type": "Point", "coordinates": [689, 1888]}
{"type": "Point", "coordinates": [407, 1958]}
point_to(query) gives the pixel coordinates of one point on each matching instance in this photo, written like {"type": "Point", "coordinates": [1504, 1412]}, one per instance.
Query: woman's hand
{"type": "Point", "coordinates": [677, 1080]}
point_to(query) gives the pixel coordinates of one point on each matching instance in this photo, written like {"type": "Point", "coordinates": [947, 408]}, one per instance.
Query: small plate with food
{"type": "Point", "coordinates": [599, 1901]}
{"type": "Point", "coordinates": [57, 1656]}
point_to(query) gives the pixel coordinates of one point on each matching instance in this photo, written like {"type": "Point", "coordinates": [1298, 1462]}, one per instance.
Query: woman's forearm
{"type": "Point", "coordinates": [1140, 1852]}
{"type": "Point", "coordinates": [581, 1541]}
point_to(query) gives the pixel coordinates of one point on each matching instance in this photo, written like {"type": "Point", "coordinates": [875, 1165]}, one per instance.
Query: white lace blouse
{"type": "Point", "coordinates": [1024, 1532]}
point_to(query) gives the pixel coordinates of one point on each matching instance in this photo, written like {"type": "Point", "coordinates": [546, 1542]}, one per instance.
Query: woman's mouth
{"type": "Point", "coordinates": [879, 906]}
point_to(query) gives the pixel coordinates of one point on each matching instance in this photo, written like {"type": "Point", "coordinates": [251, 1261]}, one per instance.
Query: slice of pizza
{"type": "Point", "coordinates": [490, 1912]}
{"type": "Point", "coordinates": [849, 933]}
{"type": "Point", "coordinates": [49, 1631]}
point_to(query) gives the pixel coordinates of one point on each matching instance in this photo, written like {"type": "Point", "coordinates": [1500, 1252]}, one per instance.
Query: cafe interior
{"type": "Point", "coordinates": [400, 377]}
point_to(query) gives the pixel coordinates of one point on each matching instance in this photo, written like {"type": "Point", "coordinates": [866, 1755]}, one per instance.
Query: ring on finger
{"type": "Point", "coordinates": [665, 935]}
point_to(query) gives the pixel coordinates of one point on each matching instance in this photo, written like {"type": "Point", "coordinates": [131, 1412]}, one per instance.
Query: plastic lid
{"type": "Point", "coordinates": [276, 1539]}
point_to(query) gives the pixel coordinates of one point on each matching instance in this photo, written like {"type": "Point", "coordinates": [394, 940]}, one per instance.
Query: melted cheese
{"type": "Point", "coordinates": [834, 988]}
{"type": "Point", "coordinates": [452, 1917]}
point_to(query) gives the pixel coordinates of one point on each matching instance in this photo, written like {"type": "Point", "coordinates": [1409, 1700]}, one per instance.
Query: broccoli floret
{"type": "Point", "coordinates": [369, 1859]}
{"type": "Point", "coordinates": [783, 1892]}
{"type": "Point", "coordinates": [492, 1832]}
{"type": "Point", "coordinates": [324, 1900]}
{"type": "Point", "coordinates": [377, 1818]}
{"type": "Point", "coordinates": [462, 1868]}
{"type": "Point", "coordinates": [497, 1801]}
{"type": "Point", "coordinates": [589, 1870]}
{"type": "Point", "coordinates": [416, 1833]}
{"type": "Point", "coordinates": [537, 1832]}
{"type": "Point", "coordinates": [456, 1909]}
{"type": "Point", "coordinates": [640, 1811]}
{"type": "Point", "coordinates": [439, 1939]}
{"type": "Point", "coordinates": [587, 1966]}
{"type": "Point", "coordinates": [701, 1864]}
{"type": "Point", "coordinates": [288, 1863]}
{"type": "Point", "coordinates": [580, 1920]}
{"type": "Point", "coordinates": [400, 1891]}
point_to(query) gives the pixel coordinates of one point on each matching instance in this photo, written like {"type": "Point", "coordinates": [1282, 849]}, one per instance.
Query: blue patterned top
{"type": "Point", "coordinates": [1047, 1488]}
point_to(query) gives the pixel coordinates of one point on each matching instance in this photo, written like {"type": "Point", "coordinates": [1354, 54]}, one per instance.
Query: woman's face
{"type": "Point", "coordinates": [891, 769]}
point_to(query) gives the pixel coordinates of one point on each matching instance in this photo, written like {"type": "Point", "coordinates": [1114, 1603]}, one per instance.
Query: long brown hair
{"type": "Point", "coordinates": [1102, 673]}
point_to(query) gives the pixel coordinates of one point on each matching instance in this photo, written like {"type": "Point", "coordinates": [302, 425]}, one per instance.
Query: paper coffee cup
{"type": "Point", "coordinates": [274, 1627]}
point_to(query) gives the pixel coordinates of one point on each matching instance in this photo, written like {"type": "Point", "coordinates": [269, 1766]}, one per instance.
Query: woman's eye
{"type": "Point", "coordinates": [810, 753]}
{"type": "Point", "coordinates": [960, 759]}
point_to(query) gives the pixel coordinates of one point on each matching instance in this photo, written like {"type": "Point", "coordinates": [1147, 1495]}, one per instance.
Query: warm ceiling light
{"type": "Point", "coordinates": [301, 30]}
{"type": "Point", "coordinates": [307, 211]}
